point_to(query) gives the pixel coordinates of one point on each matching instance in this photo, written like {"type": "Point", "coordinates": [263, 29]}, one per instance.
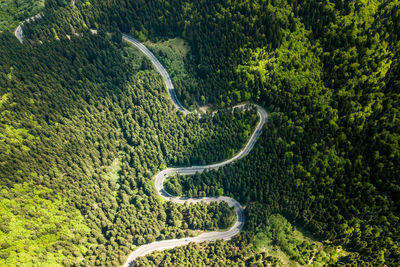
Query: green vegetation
{"type": "Point", "coordinates": [114, 169]}
{"type": "Point", "coordinates": [173, 55]}
{"type": "Point", "coordinates": [328, 158]}
{"type": "Point", "coordinates": [39, 227]}
{"type": "Point", "coordinates": [177, 45]}
{"type": "Point", "coordinates": [173, 186]}
{"type": "Point", "coordinates": [280, 239]}
{"type": "Point", "coordinates": [13, 12]}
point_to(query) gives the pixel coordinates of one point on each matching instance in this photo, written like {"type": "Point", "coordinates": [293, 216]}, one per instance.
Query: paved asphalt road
{"type": "Point", "coordinates": [161, 176]}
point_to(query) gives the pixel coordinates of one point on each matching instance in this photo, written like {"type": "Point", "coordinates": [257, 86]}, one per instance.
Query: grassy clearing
{"type": "Point", "coordinates": [282, 240]}
{"type": "Point", "coordinates": [113, 170]}
{"type": "Point", "coordinates": [178, 44]}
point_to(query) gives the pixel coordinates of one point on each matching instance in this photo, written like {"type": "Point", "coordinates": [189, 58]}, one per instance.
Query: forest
{"type": "Point", "coordinates": [91, 122]}
{"type": "Point", "coordinates": [86, 117]}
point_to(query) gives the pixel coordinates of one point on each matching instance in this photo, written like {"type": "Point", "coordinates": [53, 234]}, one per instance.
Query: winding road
{"type": "Point", "coordinates": [18, 31]}
{"type": "Point", "coordinates": [162, 175]}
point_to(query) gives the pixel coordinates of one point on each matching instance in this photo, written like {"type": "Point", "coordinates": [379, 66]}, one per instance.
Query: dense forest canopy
{"type": "Point", "coordinates": [87, 117]}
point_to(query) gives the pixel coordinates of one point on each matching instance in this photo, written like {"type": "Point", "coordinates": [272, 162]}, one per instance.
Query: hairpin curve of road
{"type": "Point", "coordinates": [162, 175]}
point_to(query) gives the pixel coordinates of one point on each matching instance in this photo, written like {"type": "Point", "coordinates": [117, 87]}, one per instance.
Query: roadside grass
{"type": "Point", "coordinates": [172, 55]}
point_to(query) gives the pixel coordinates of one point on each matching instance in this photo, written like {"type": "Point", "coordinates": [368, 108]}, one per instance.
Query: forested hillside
{"type": "Point", "coordinates": [91, 121]}
{"type": "Point", "coordinates": [85, 124]}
